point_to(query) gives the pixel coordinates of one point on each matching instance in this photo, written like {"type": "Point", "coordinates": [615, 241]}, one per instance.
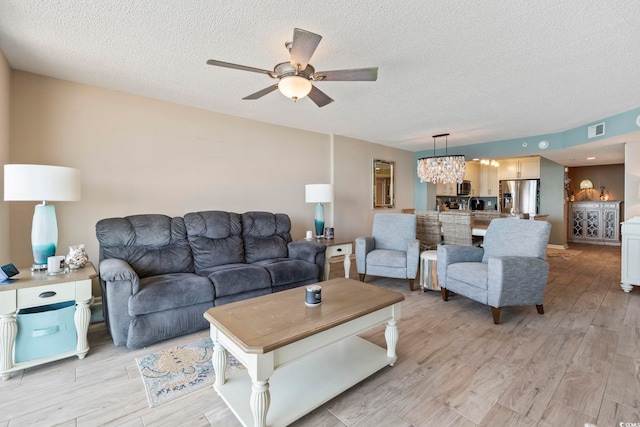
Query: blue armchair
{"type": "Point", "coordinates": [510, 269]}
{"type": "Point", "coordinates": [392, 250]}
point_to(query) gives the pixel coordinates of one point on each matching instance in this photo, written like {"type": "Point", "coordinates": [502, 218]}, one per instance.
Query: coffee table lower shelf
{"type": "Point", "coordinates": [306, 383]}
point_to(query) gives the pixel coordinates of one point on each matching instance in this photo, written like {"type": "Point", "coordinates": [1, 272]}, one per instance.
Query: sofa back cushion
{"type": "Point", "coordinates": [393, 231]}
{"type": "Point", "coordinates": [215, 238]}
{"type": "Point", "coordinates": [516, 237]}
{"type": "Point", "coordinates": [266, 235]}
{"type": "Point", "coordinates": [152, 244]}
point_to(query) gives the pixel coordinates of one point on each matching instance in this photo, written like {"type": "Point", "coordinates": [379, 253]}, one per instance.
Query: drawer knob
{"type": "Point", "coordinates": [47, 294]}
{"type": "Point", "coordinates": [339, 250]}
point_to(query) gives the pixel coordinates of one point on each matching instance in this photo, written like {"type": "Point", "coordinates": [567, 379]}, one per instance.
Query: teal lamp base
{"type": "Point", "coordinates": [318, 220]}
{"type": "Point", "coordinates": [44, 235]}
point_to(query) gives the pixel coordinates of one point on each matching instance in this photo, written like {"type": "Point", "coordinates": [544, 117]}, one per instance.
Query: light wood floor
{"type": "Point", "coordinates": [577, 363]}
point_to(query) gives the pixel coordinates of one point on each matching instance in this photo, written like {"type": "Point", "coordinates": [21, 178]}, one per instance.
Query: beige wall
{"type": "Point", "coordinates": [5, 74]}
{"type": "Point", "coordinates": [139, 155]}
{"type": "Point", "coordinates": [353, 175]}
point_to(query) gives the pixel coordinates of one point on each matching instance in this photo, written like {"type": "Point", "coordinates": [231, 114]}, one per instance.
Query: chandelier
{"type": "Point", "coordinates": [445, 169]}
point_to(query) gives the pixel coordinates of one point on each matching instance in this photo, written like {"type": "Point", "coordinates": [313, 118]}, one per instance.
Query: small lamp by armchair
{"type": "Point", "coordinates": [319, 193]}
{"type": "Point", "coordinates": [46, 183]}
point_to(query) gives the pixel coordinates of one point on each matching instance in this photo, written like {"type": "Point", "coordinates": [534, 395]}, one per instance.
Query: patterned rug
{"type": "Point", "coordinates": [562, 254]}
{"type": "Point", "coordinates": [178, 371]}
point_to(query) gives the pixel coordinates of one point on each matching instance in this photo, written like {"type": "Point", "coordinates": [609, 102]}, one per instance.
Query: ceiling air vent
{"type": "Point", "coordinates": [596, 130]}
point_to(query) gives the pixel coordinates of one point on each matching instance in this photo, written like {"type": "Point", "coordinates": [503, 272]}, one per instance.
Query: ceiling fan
{"type": "Point", "coordinates": [295, 77]}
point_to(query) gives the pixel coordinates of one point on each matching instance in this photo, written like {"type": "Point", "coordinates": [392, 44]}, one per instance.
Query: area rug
{"type": "Point", "coordinates": [562, 254]}
{"type": "Point", "coordinates": [178, 371]}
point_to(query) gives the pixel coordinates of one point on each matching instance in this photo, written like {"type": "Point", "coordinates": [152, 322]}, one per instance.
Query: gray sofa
{"type": "Point", "coordinates": [160, 274]}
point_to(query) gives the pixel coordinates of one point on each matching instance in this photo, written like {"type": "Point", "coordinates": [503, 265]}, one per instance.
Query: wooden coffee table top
{"type": "Point", "coordinates": [263, 324]}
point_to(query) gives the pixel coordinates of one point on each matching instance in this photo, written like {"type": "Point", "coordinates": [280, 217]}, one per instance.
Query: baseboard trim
{"type": "Point", "coordinates": [557, 246]}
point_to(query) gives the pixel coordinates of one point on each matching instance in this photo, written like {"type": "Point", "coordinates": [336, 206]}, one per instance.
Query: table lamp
{"type": "Point", "coordinates": [46, 183]}
{"type": "Point", "coordinates": [319, 193]}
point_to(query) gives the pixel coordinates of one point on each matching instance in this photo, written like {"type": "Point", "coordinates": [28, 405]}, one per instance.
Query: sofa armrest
{"type": "Point", "coordinates": [312, 252]}
{"type": "Point", "coordinates": [364, 245]}
{"type": "Point", "coordinates": [516, 280]}
{"type": "Point", "coordinates": [117, 270]}
{"type": "Point", "coordinates": [413, 258]}
{"type": "Point", "coordinates": [452, 254]}
{"type": "Point", "coordinates": [119, 281]}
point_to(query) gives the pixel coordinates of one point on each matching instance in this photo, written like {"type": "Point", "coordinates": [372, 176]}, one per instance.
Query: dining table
{"type": "Point", "coordinates": [479, 229]}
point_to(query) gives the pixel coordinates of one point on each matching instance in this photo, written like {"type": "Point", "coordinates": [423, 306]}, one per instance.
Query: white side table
{"type": "Point", "coordinates": [336, 248]}
{"type": "Point", "coordinates": [35, 289]}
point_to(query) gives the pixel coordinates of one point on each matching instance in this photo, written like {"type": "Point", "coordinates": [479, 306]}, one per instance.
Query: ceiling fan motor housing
{"type": "Point", "coordinates": [285, 69]}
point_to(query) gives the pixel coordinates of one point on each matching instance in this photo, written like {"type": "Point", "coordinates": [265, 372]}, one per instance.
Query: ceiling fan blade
{"type": "Point", "coordinates": [239, 67]}
{"type": "Point", "coordinates": [319, 97]}
{"type": "Point", "coordinates": [302, 47]}
{"type": "Point", "coordinates": [263, 92]}
{"type": "Point", "coordinates": [356, 74]}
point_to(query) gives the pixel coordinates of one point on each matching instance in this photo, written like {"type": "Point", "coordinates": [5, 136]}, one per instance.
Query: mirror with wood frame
{"type": "Point", "coordinates": [383, 184]}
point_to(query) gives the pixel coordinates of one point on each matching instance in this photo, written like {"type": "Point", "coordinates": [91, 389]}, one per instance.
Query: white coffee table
{"type": "Point", "coordinates": [299, 357]}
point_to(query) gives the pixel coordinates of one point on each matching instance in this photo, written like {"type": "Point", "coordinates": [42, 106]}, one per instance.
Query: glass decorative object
{"type": "Point", "coordinates": [44, 233]}
{"type": "Point", "coordinates": [77, 257]}
{"type": "Point", "coordinates": [445, 169]}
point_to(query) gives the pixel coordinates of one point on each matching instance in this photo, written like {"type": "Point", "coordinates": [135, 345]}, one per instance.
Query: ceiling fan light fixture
{"type": "Point", "coordinates": [294, 87]}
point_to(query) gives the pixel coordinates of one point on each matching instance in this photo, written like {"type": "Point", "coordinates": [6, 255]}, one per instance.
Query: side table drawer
{"type": "Point", "coordinates": [47, 294]}
{"type": "Point", "coordinates": [338, 250]}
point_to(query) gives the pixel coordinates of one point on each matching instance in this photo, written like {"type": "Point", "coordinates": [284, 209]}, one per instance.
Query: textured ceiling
{"type": "Point", "coordinates": [481, 70]}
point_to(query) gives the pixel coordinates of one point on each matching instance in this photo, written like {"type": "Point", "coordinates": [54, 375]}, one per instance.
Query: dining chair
{"type": "Point", "coordinates": [456, 228]}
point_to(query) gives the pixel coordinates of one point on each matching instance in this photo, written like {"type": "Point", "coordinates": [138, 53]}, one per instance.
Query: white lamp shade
{"type": "Point", "coordinates": [318, 193]}
{"type": "Point", "coordinates": [294, 87]}
{"type": "Point", "coordinates": [40, 182]}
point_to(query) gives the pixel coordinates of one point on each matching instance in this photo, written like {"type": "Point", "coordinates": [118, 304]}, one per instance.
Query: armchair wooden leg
{"type": "Point", "coordinates": [361, 277]}
{"type": "Point", "coordinates": [411, 282]}
{"type": "Point", "coordinates": [445, 294]}
{"type": "Point", "coordinates": [496, 315]}
{"type": "Point", "coordinates": [540, 309]}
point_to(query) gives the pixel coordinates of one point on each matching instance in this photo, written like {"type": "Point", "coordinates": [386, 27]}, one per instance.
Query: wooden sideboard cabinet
{"type": "Point", "coordinates": [630, 254]}
{"type": "Point", "coordinates": [594, 222]}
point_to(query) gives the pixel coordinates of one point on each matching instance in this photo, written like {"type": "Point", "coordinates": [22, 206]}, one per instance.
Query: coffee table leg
{"type": "Point", "coordinates": [260, 400]}
{"type": "Point", "coordinates": [347, 265]}
{"type": "Point", "coordinates": [219, 363]}
{"type": "Point", "coordinates": [391, 336]}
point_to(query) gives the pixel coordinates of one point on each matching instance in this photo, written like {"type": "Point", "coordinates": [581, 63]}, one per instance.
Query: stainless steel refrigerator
{"type": "Point", "coordinates": [521, 196]}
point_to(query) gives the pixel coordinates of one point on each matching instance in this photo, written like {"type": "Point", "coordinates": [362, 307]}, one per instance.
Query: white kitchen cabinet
{"type": "Point", "coordinates": [520, 168]}
{"type": "Point", "coordinates": [489, 185]}
{"type": "Point", "coordinates": [595, 222]}
{"type": "Point", "coordinates": [630, 254]}
{"type": "Point", "coordinates": [450, 189]}
{"type": "Point", "coordinates": [472, 174]}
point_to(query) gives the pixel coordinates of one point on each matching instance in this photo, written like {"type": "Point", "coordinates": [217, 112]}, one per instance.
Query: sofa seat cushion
{"type": "Point", "coordinates": [168, 291]}
{"type": "Point", "coordinates": [238, 278]}
{"type": "Point", "coordinates": [387, 258]}
{"type": "Point", "coordinates": [284, 271]}
{"type": "Point", "coordinates": [472, 273]}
